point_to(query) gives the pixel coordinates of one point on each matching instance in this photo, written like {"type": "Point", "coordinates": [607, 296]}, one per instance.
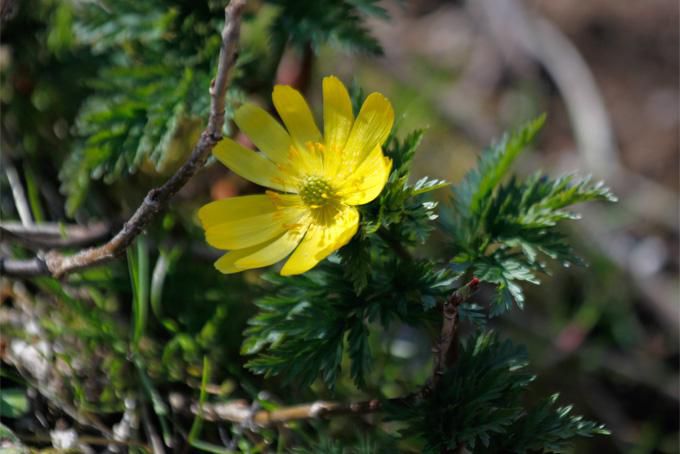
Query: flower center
{"type": "Point", "coordinates": [316, 192]}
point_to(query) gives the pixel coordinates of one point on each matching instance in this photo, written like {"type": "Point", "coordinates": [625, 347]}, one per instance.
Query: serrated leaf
{"type": "Point", "coordinates": [502, 230]}
{"type": "Point", "coordinates": [306, 23]}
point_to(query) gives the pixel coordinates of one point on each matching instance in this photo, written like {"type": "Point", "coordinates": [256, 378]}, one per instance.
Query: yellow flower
{"type": "Point", "coordinates": [317, 180]}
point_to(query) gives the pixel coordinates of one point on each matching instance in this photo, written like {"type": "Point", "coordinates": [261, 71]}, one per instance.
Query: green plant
{"type": "Point", "coordinates": [187, 345]}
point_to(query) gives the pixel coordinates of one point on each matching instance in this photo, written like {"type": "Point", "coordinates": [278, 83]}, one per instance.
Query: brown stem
{"type": "Point", "coordinates": [53, 235]}
{"type": "Point", "coordinates": [295, 69]}
{"type": "Point", "coordinates": [57, 264]}
{"type": "Point", "coordinates": [445, 348]}
{"type": "Point", "coordinates": [239, 411]}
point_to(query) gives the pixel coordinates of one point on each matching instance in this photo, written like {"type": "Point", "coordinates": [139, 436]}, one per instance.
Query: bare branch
{"type": "Point", "coordinates": [57, 264]}
{"type": "Point", "coordinates": [53, 235]}
{"type": "Point", "coordinates": [239, 411]}
{"type": "Point", "coordinates": [23, 268]}
{"type": "Point", "coordinates": [444, 355]}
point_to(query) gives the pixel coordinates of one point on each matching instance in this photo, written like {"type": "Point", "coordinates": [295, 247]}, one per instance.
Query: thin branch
{"type": "Point", "coordinates": [18, 193]}
{"type": "Point", "coordinates": [444, 354]}
{"type": "Point", "coordinates": [53, 235]}
{"type": "Point", "coordinates": [35, 266]}
{"type": "Point", "coordinates": [85, 440]}
{"type": "Point", "coordinates": [57, 264]}
{"type": "Point", "coordinates": [240, 411]}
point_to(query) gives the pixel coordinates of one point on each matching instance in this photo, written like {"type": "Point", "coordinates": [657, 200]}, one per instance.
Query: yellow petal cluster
{"type": "Point", "coordinates": [316, 179]}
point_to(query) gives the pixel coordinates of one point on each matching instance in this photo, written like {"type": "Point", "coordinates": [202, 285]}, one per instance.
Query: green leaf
{"type": "Point", "coordinates": [157, 403]}
{"type": "Point", "coordinates": [545, 428]}
{"type": "Point", "coordinates": [197, 425]}
{"type": "Point", "coordinates": [359, 352]}
{"type": "Point", "coordinates": [356, 262]}
{"type": "Point", "coordinates": [491, 170]}
{"type": "Point", "coordinates": [477, 397]}
{"type": "Point", "coordinates": [502, 230]}
{"type": "Point", "coordinates": [304, 321]}
{"type": "Point", "coordinates": [149, 99]}
{"type": "Point", "coordinates": [306, 23]}
{"type": "Point", "coordinates": [138, 264]}
{"type": "Point", "coordinates": [402, 151]}
{"type": "Point", "coordinates": [13, 403]}
{"type": "Point", "coordinates": [479, 405]}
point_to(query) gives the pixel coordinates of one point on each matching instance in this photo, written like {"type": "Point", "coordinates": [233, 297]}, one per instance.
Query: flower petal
{"type": "Point", "coordinates": [370, 129]}
{"type": "Point", "coordinates": [337, 114]}
{"type": "Point", "coordinates": [234, 208]}
{"type": "Point", "coordinates": [252, 166]}
{"type": "Point", "coordinates": [264, 131]}
{"type": "Point", "coordinates": [274, 251]}
{"type": "Point", "coordinates": [321, 240]}
{"type": "Point", "coordinates": [244, 232]}
{"type": "Point", "coordinates": [249, 227]}
{"type": "Point", "coordinates": [227, 263]}
{"type": "Point", "coordinates": [368, 180]}
{"type": "Point", "coordinates": [296, 115]}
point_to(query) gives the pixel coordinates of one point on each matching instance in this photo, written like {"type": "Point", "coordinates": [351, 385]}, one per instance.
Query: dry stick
{"type": "Point", "coordinates": [53, 235]}
{"type": "Point", "coordinates": [85, 440]}
{"type": "Point", "coordinates": [443, 352]}
{"type": "Point", "coordinates": [446, 349]}
{"type": "Point", "coordinates": [240, 411]}
{"type": "Point", "coordinates": [56, 264]}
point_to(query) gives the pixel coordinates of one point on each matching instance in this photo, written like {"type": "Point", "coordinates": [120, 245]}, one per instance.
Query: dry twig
{"type": "Point", "coordinates": [239, 411]}
{"type": "Point", "coordinates": [53, 235]}
{"type": "Point", "coordinates": [445, 348]}
{"type": "Point", "coordinates": [56, 264]}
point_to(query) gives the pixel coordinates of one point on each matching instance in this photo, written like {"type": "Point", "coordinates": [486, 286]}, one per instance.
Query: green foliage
{"type": "Point", "coordinates": [401, 216]}
{"type": "Point", "coordinates": [138, 265]}
{"type": "Point", "coordinates": [10, 442]}
{"type": "Point", "coordinates": [305, 337]}
{"type": "Point", "coordinates": [545, 428]}
{"type": "Point", "coordinates": [156, 59]}
{"type": "Point", "coordinates": [313, 23]}
{"type": "Point", "coordinates": [192, 331]}
{"type": "Point", "coordinates": [402, 210]}
{"type": "Point", "coordinates": [92, 336]}
{"type": "Point", "coordinates": [364, 445]}
{"type": "Point", "coordinates": [13, 403]}
{"type": "Point", "coordinates": [478, 404]}
{"type": "Point", "coordinates": [141, 95]}
{"type": "Point", "coordinates": [306, 322]}
{"type": "Point", "coordinates": [500, 231]}
{"type": "Point", "coordinates": [149, 92]}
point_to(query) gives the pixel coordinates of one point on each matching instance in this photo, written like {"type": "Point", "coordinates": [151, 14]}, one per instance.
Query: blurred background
{"type": "Point", "coordinates": [605, 72]}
